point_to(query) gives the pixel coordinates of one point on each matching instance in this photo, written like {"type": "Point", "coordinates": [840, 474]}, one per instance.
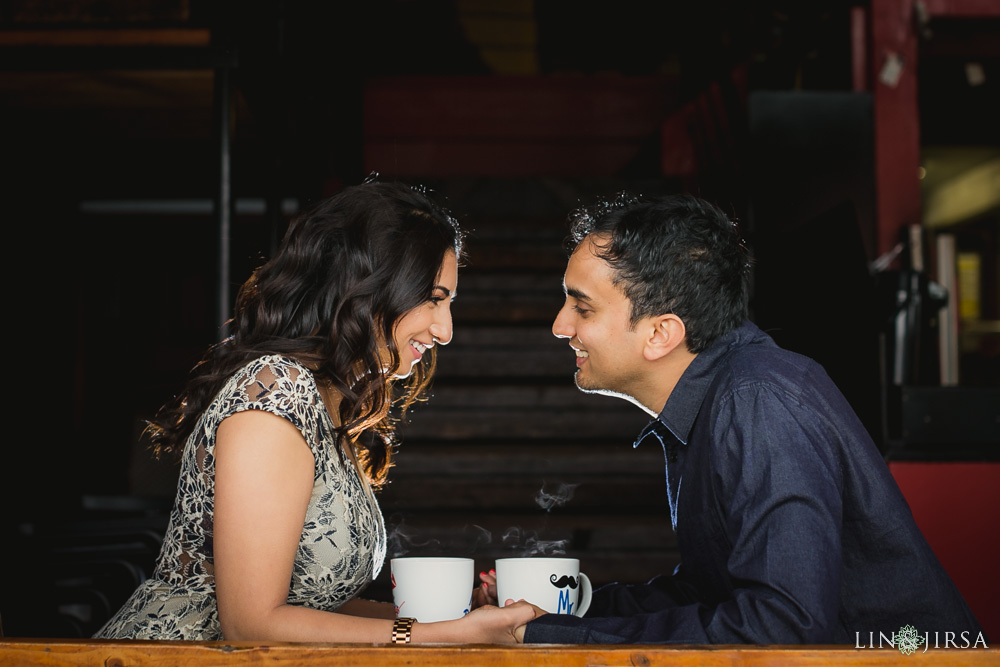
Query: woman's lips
{"type": "Point", "coordinates": [418, 349]}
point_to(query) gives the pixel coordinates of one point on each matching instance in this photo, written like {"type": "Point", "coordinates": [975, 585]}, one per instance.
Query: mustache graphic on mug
{"type": "Point", "coordinates": [553, 584]}
{"type": "Point", "coordinates": [564, 581]}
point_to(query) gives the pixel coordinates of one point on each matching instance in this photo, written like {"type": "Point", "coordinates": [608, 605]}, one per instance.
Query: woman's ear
{"type": "Point", "coordinates": [666, 333]}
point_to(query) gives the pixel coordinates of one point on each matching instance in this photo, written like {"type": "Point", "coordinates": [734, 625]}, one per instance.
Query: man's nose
{"type": "Point", "coordinates": [562, 327]}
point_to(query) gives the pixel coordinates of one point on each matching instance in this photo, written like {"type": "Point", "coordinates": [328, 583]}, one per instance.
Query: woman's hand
{"type": "Point", "coordinates": [486, 592]}
{"type": "Point", "coordinates": [485, 625]}
{"type": "Point", "coordinates": [503, 625]}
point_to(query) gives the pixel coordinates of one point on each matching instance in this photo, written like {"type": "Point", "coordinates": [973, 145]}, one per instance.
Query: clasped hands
{"type": "Point", "coordinates": [504, 625]}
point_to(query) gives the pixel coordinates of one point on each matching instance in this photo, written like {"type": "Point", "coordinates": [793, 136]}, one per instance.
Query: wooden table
{"type": "Point", "coordinates": [218, 654]}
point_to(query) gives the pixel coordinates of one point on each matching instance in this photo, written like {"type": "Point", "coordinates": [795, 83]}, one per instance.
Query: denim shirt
{"type": "Point", "coordinates": [790, 527]}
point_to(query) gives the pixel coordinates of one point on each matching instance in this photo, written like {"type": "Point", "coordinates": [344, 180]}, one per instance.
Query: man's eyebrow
{"type": "Point", "coordinates": [577, 294]}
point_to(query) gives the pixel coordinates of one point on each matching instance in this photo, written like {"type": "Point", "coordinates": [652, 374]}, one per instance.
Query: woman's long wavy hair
{"type": "Point", "coordinates": [345, 274]}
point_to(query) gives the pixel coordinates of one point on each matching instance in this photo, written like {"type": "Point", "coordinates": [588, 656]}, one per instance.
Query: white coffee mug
{"type": "Point", "coordinates": [432, 589]}
{"type": "Point", "coordinates": [554, 584]}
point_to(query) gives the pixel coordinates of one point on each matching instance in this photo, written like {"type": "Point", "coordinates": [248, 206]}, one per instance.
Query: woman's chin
{"type": "Point", "coordinates": [404, 371]}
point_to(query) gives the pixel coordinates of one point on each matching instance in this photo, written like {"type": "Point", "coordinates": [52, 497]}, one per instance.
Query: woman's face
{"type": "Point", "coordinates": [429, 323]}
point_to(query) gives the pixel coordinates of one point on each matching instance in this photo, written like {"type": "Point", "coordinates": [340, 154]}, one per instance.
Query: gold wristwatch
{"type": "Point", "coordinates": [401, 630]}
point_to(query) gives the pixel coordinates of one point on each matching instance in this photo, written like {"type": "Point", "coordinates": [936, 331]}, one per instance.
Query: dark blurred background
{"type": "Point", "coordinates": [153, 153]}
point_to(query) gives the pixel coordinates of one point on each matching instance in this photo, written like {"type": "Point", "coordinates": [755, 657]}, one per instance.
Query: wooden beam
{"type": "Point", "coordinates": [107, 37]}
{"type": "Point", "coordinates": [222, 654]}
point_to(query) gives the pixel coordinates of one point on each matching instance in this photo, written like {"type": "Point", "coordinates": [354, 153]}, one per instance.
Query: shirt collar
{"type": "Point", "coordinates": [685, 400]}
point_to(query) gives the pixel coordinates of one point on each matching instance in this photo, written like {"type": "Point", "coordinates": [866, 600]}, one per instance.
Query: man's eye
{"type": "Point", "coordinates": [582, 311]}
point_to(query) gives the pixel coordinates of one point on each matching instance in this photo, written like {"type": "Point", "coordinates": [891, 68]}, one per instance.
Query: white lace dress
{"type": "Point", "coordinates": [342, 547]}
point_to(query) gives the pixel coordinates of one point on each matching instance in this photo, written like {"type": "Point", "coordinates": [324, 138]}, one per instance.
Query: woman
{"type": "Point", "coordinates": [275, 529]}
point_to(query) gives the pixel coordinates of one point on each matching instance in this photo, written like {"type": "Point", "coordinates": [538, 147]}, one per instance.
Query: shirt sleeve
{"type": "Point", "coordinates": [662, 592]}
{"type": "Point", "coordinates": [777, 488]}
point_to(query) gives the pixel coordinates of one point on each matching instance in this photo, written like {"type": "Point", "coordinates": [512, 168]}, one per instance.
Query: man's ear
{"type": "Point", "coordinates": [666, 333]}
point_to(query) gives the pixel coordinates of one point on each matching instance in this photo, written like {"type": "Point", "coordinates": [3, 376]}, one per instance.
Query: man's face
{"type": "Point", "coordinates": [595, 319]}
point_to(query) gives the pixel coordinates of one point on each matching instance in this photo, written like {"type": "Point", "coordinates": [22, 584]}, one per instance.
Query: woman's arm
{"type": "Point", "coordinates": [368, 609]}
{"type": "Point", "coordinates": [263, 481]}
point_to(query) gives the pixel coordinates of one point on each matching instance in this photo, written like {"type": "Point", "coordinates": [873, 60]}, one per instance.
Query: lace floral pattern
{"type": "Point", "coordinates": [342, 547]}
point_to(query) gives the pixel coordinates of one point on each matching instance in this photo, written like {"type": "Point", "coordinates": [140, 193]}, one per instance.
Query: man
{"type": "Point", "coordinates": [789, 525]}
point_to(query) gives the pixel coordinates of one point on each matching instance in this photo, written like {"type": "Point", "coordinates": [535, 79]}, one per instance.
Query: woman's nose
{"type": "Point", "coordinates": [441, 329]}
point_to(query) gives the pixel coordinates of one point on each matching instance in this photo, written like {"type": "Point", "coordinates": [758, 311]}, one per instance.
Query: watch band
{"type": "Point", "coordinates": [401, 630]}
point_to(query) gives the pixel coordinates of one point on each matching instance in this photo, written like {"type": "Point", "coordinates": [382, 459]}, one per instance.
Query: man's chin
{"type": "Point", "coordinates": [588, 386]}
{"type": "Point", "coordinates": [584, 384]}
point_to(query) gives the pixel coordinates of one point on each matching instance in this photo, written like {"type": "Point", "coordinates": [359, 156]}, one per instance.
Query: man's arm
{"type": "Point", "coordinates": [778, 490]}
{"type": "Point", "coordinates": [661, 592]}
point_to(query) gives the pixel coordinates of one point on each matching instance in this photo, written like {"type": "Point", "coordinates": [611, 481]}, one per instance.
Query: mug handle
{"type": "Point", "coordinates": [583, 601]}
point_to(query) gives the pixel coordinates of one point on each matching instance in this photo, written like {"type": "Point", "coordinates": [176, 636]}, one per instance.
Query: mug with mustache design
{"type": "Point", "coordinates": [554, 584]}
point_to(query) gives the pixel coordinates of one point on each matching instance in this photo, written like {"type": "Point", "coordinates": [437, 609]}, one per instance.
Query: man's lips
{"type": "Point", "coordinates": [581, 356]}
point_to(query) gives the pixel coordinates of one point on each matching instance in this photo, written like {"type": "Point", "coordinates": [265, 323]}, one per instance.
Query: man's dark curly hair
{"type": "Point", "coordinates": [674, 254]}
